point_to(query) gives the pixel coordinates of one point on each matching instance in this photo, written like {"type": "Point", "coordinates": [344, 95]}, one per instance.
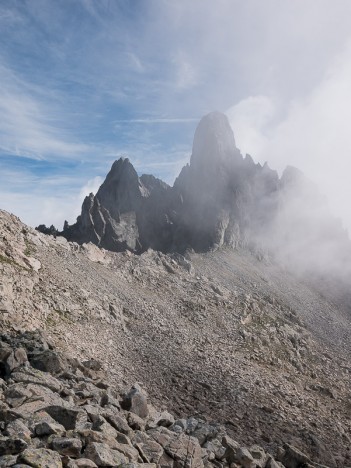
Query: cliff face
{"type": "Point", "coordinates": [219, 198]}
{"type": "Point", "coordinates": [221, 195]}
{"type": "Point", "coordinates": [127, 213]}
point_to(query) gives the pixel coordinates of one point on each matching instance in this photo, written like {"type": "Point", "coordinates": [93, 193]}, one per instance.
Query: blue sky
{"type": "Point", "coordinates": [83, 82]}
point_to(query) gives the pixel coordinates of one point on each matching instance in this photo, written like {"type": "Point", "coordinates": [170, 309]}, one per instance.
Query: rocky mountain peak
{"type": "Point", "coordinates": [226, 335]}
{"type": "Point", "coordinates": [291, 176]}
{"type": "Point", "coordinates": [219, 199]}
{"type": "Point", "coordinates": [121, 168]}
{"type": "Point", "coordinates": [121, 188]}
{"type": "Point", "coordinates": [214, 142]}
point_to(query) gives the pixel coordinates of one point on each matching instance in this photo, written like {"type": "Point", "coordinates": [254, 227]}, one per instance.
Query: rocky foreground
{"type": "Point", "coordinates": [58, 412]}
{"type": "Point", "coordinates": [251, 353]}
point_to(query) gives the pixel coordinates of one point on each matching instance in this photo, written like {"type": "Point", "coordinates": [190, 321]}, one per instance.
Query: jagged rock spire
{"type": "Point", "coordinates": [214, 142]}
{"type": "Point", "coordinates": [220, 198]}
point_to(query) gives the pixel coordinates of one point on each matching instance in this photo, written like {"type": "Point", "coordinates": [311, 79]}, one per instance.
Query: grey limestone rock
{"type": "Point", "coordinates": [11, 359]}
{"type": "Point", "coordinates": [244, 457]}
{"type": "Point", "coordinates": [149, 449]}
{"type": "Point", "coordinates": [48, 361]}
{"type": "Point", "coordinates": [8, 460]}
{"type": "Point", "coordinates": [18, 429]}
{"type": "Point", "coordinates": [103, 455]}
{"type": "Point", "coordinates": [70, 418]}
{"type": "Point", "coordinates": [118, 422]}
{"type": "Point", "coordinates": [293, 458]}
{"type": "Point", "coordinates": [41, 458]}
{"type": "Point", "coordinates": [136, 402]}
{"type": "Point", "coordinates": [81, 463]}
{"type": "Point", "coordinates": [42, 424]}
{"type": "Point", "coordinates": [11, 445]}
{"type": "Point", "coordinates": [183, 449]}
{"type": "Point", "coordinates": [28, 375]}
{"type": "Point", "coordinates": [67, 446]}
{"type": "Point", "coordinates": [127, 213]}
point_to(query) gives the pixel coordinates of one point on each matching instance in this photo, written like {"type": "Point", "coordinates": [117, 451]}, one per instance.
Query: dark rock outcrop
{"type": "Point", "coordinates": [219, 198]}
{"type": "Point", "coordinates": [127, 213]}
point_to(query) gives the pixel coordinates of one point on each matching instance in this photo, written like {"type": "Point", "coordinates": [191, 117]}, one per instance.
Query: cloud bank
{"type": "Point", "coordinates": [313, 134]}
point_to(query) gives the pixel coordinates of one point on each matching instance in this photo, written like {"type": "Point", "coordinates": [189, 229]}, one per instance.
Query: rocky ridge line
{"type": "Point", "coordinates": [219, 199]}
{"type": "Point", "coordinates": [215, 200]}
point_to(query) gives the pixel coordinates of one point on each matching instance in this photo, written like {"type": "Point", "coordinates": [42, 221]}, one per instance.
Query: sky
{"type": "Point", "coordinates": [84, 82]}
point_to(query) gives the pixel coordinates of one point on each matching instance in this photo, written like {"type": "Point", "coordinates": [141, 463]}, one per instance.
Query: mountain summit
{"type": "Point", "coordinates": [209, 205]}
{"type": "Point", "coordinates": [219, 199]}
{"type": "Point", "coordinates": [214, 142]}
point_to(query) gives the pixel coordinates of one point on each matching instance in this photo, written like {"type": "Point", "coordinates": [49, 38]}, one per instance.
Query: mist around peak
{"type": "Point", "coordinates": [219, 200]}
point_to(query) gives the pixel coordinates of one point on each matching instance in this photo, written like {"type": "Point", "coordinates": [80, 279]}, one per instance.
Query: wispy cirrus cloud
{"type": "Point", "coordinates": [29, 125]}
{"type": "Point", "coordinates": [153, 120]}
{"type": "Point", "coordinates": [85, 82]}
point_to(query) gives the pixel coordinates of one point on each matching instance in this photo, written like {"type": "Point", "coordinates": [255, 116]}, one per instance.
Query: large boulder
{"type": "Point", "coordinates": [183, 449]}
{"type": "Point", "coordinates": [103, 455]}
{"type": "Point", "coordinates": [11, 445]}
{"type": "Point", "coordinates": [11, 359]}
{"type": "Point", "coordinates": [293, 457]}
{"type": "Point", "coordinates": [70, 418]}
{"type": "Point", "coordinates": [136, 402]}
{"type": "Point", "coordinates": [48, 361]}
{"type": "Point", "coordinates": [40, 458]}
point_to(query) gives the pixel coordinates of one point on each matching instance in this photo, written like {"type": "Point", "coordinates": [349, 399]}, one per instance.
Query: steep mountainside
{"type": "Point", "coordinates": [223, 336]}
{"type": "Point", "coordinates": [226, 297]}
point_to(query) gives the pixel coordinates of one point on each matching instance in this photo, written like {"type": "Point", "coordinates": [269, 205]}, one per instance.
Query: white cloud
{"type": "Point", "coordinates": [186, 75]}
{"type": "Point", "coordinates": [27, 125]}
{"type": "Point", "coordinates": [153, 120]}
{"type": "Point", "coordinates": [135, 62]}
{"type": "Point", "coordinates": [92, 186]}
{"type": "Point", "coordinates": [313, 133]}
{"type": "Point", "coordinates": [48, 205]}
{"type": "Point", "coordinates": [249, 119]}
{"type": "Point", "coordinates": [51, 209]}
